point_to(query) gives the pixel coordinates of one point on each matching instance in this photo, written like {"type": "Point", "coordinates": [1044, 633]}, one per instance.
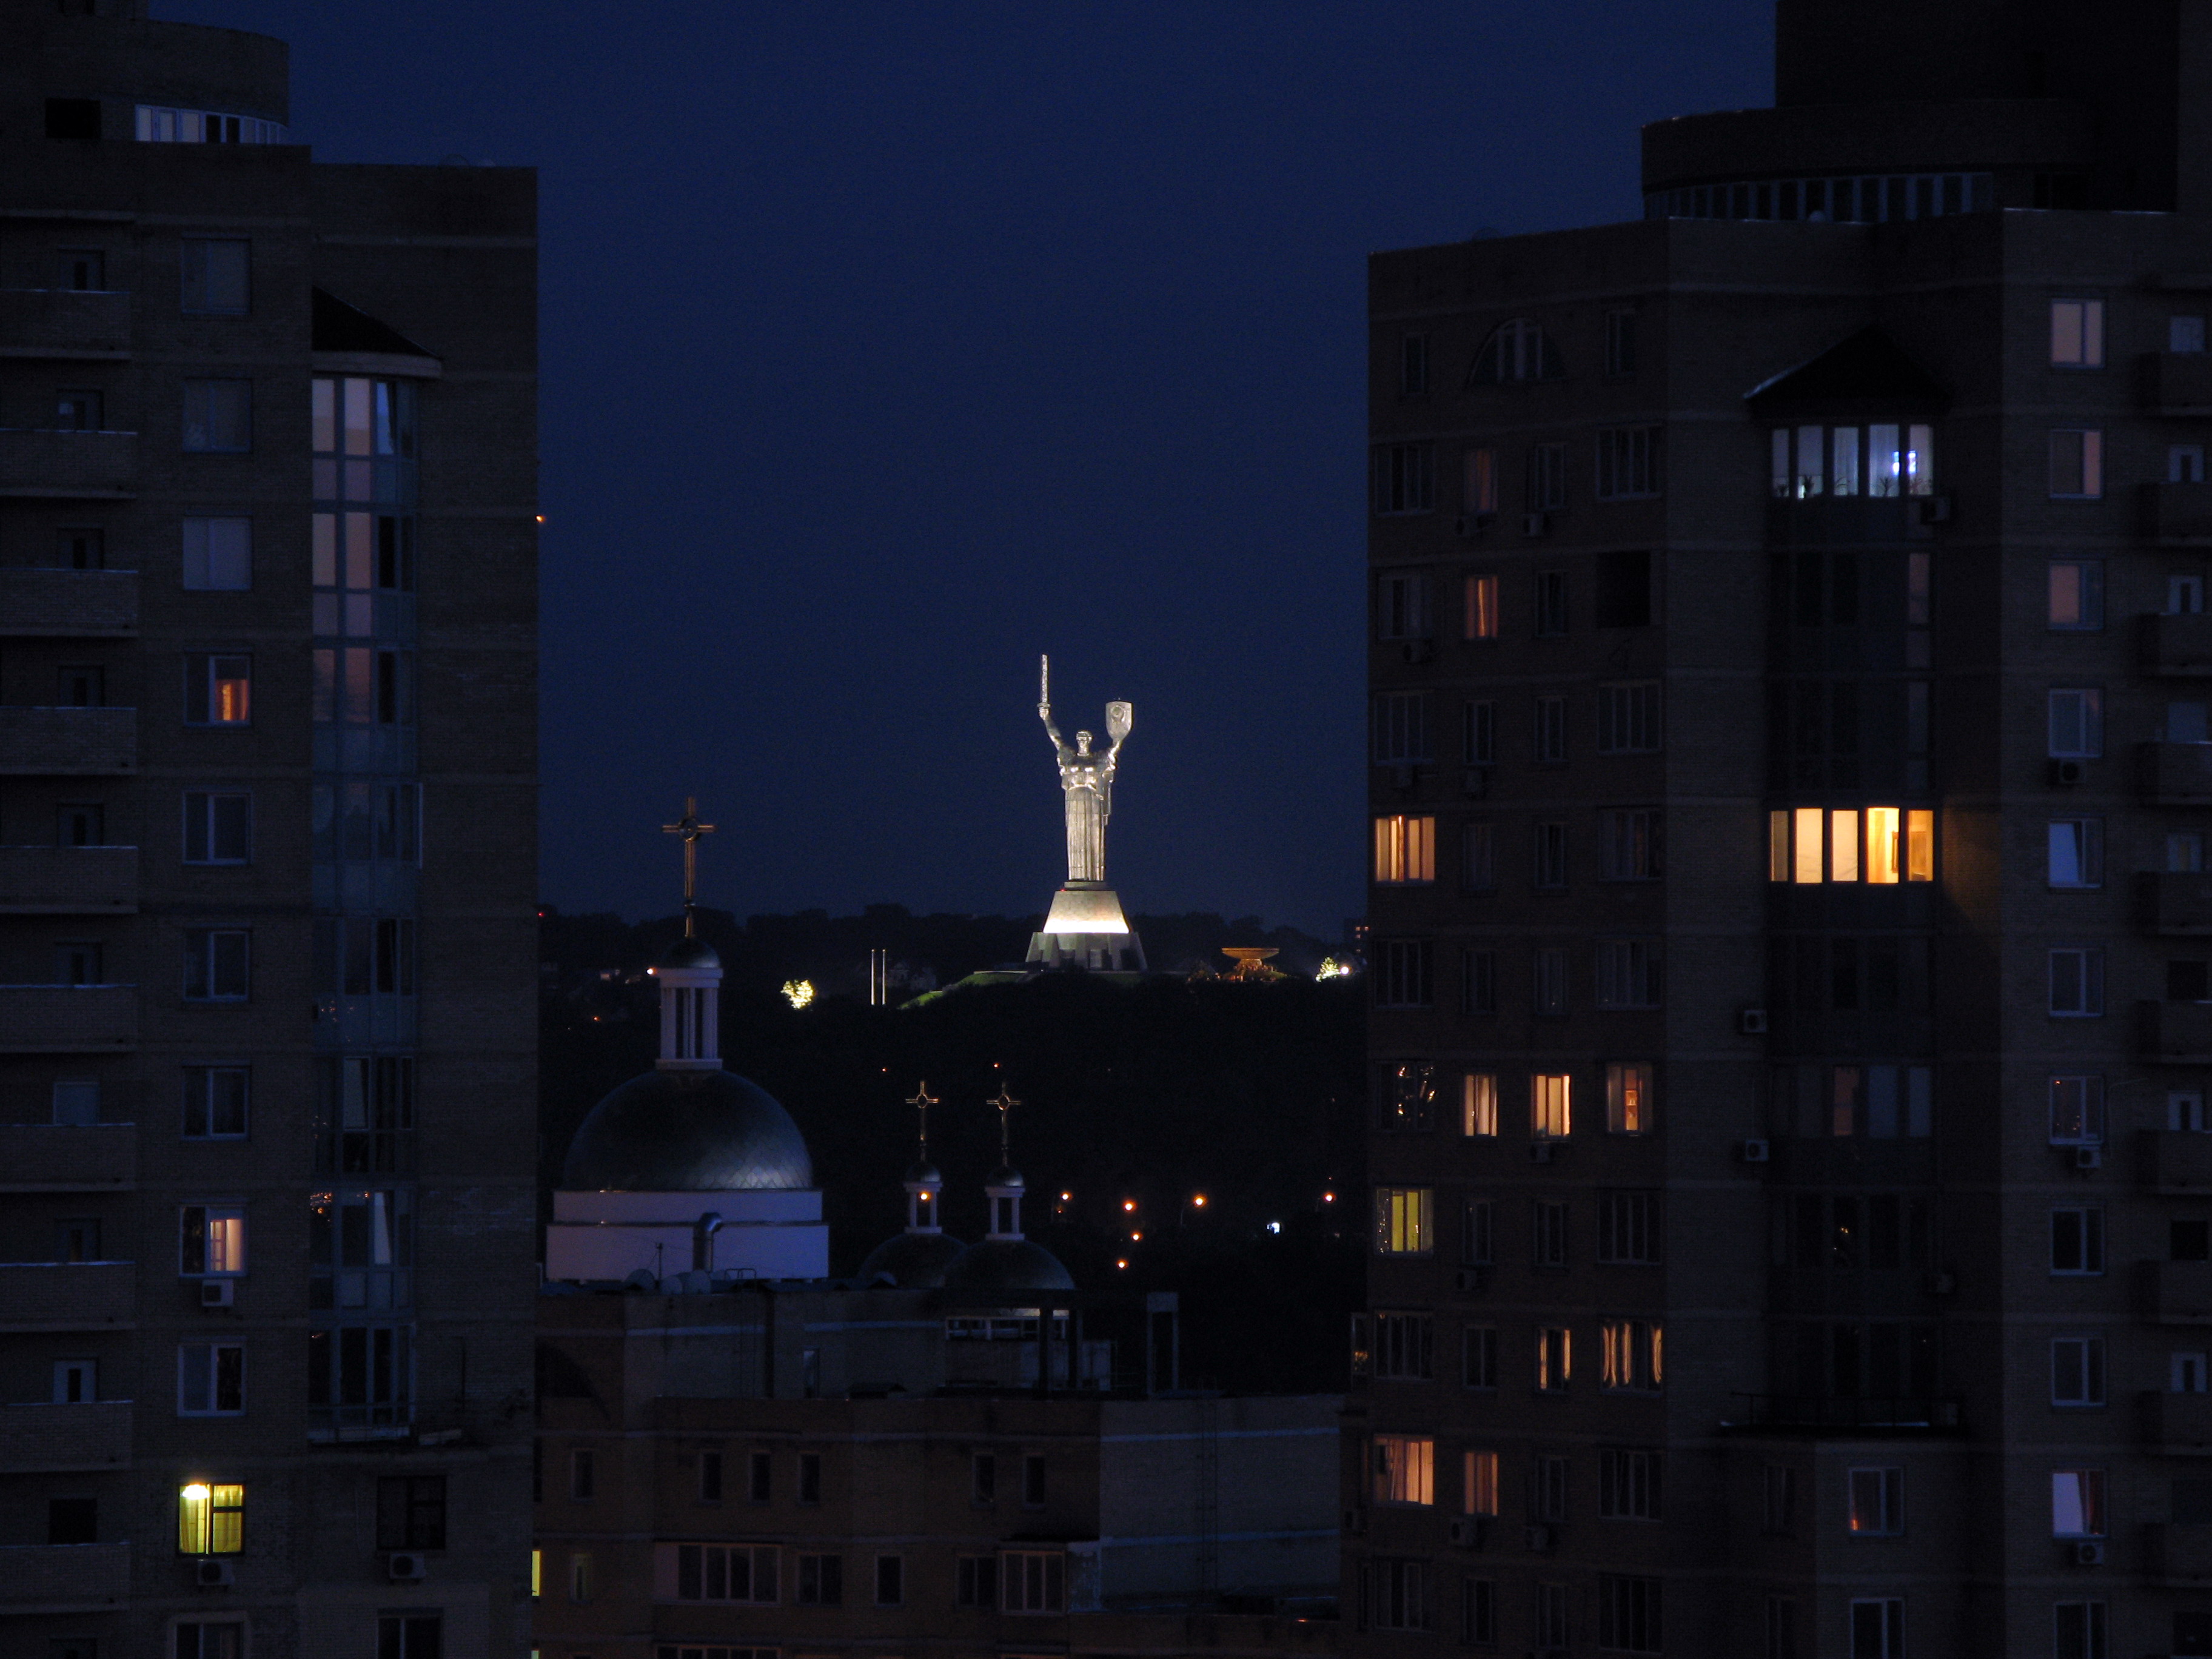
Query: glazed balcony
{"type": "Point", "coordinates": [67, 1019]}
{"type": "Point", "coordinates": [2175, 646]}
{"type": "Point", "coordinates": [2174, 1162]}
{"type": "Point", "coordinates": [2174, 1292]}
{"type": "Point", "coordinates": [53, 324]}
{"type": "Point", "coordinates": [2175, 382]}
{"type": "Point", "coordinates": [59, 1158]}
{"type": "Point", "coordinates": [2174, 901]}
{"type": "Point", "coordinates": [38, 464]}
{"type": "Point", "coordinates": [1832, 520]}
{"type": "Point", "coordinates": [2176, 1425]}
{"type": "Point", "coordinates": [2177, 1555]}
{"type": "Point", "coordinates": [69, 881]}
{"type": "Point", "coordinates": [66, 1439]}
{"type": "Point", "coordinates": [2174, 774]}
{"type": "Point", "coordinates": [2178, 1033]}
{"type": "Point", "coordinates": [68, 1296]}
{"type": "Point", "coordinates": [2177, 514]}
{"type": "Point", "coordinates": [72, 605]}
{"type": "Point", "coordinates": [67, 743]}
{"type": "Point", "coordinates": [63, 1578]}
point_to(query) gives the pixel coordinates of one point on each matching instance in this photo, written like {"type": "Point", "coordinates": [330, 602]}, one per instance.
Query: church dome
{"type": "Point", "coordinates": [690, 953]}
{"type": "Point", "coordinates": [915, 1261]}
{"type": "Point", "coordinates": [687, 1131]}
{"type": "Point", "coordinates": [1007, 1264]}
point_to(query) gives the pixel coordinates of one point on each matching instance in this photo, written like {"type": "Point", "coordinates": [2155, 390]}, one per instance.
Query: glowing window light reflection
{"type": "Point", "coordinates": [1881, 845]}
{"type": "Point", "coordinates": [1843, 846]}
{"type": "Point", "coordinates": [1809, 844]}
{"type": "Point", "coordinates": [1878, 845]}
{"type": "Point", "coordinates": [210, 1519]}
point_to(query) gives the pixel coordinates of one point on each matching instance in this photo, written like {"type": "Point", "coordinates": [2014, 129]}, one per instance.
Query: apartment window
{"type": "Point", "coordinates": [1478, 482]}
{"type": "Point", "coordinates": [718, 1572]}
{"type": "Point", "coordinates": [362, 820]}
{"type": "Point", "coordinates": [218, 554]}
{"type": "Point", "coordinates": [891, 1581]}
{"type": "Point", "coordinates": [78, 411]}
{"type": "Point", "coordinates": [1551, 604]}
{"type": "Point", "coordinates": [362, 687]}
{"type": "Point", "coordinates": [1628, 718]}
{"type": "Point", "coordinates": [211, 1242]}
{"type": "Point", "coordinates": [760, 1478]}
{"type": "Point", "coordinates": [1401, 606]}
{"type": "Point", "coordinates": [1624, 592]}
{"type": "Point", "coordinates": [2077, 464]}
{"type": "Point", "coordinates": [410, 1635]}
{"type": "Point", "coordinates": [1477, 856]}
{"type": "Point", "coordinates": [983, 1478]}
{"type": "Point", "coordinates": [1478, 985]}
{"type": "Point", "coordinates": [1550, 748]}
{"type": "Point", "coordinates": [1878, 844]}
{"type": "Point", "coordinates": [1032, 1581]}
{"type": "Point", "coordinates": [1878, 1628]}
{"type": "Point", "coordinates": [1404, 478]}
{"type": "Point", "coordinates": [1628, 461]}
{"type": "Point", "coordinates": [1405, 1469]}
{"type": "Point", "coordinates": [210, 1379]}
{"type": "Point", "coordinates": [975, 1581]}
{"type": "Point", "coordinates": [1813, 461]}
{"type": "Point", "coordinates": [74, 1103]}
{"type": "Point", "coordinates": [2077, 1370]}
{"type": "Point", "coordinates": [580, 1576]}
{"type": "Point", "coordinates": [84, 270]}
{"type": "Point", "coordinates": [1781, 1627]}
{"type": "Point", "coordinates": [2078, 1240]}
{"type": "Point", "coordinates": [583, 1475]}
{"type": "Point", "coordinates": [1405, 973]}
{"type": "Point", "coordinates": [364, 1114]}
{"type": "Point", "coordinates": [1548, 1243]}
{"type": "Point", "coordinates": [218, 828]}
{"type": "Point", "coordinates": [2184, 333]}
{"type": "Point", "coordinates": [1402, 1347]}
{"type": "Point", "coordinates": [2078, 983]}
{"type": "Point", "coordinates": [1033, 1482]}
{"type": "Point", "coordinates": [1517, 349]}
{"type": "Point", "coordinates": [1480, 617]}
{"type": "Point", "coordinates": [2077, 723]}
{"type": "Point", "coordinates": [1552, 1625]}
{"type": "Point", "coordinates": [218, 688]}
{"type": "Point", "coordinates": [1778, 1500]}
{"type": "Point", "coordinates": [1414, 366]}
{"type": "Point", "coordinates": [1877, 1502]}
{"type": "Point", "coordinates": [1628, 1231]}
{"type": "Point", "coordinates": [1549, 990]}
{"type": "Point", "coordinates": [1405, 850]}
{"type": "Point", "coordinates": [1619, 344]}
{"type": "Point", "coordinates": [810, 1477]}
{"type": "Point", "coordinates": [79, 549]}
{"type": "Point", "coordinates": [214, 1102]}
{"type": "Point", "coordinates": [1628, 1613]}
{"type": "Point", "coordinates": [216, 276]}
{"type": "Point", "coordinates": [1479, 1103]}
{"type": "Point", "coordinates": [364, 955]}
{"type": "Point", "coordinates": [1405, 1220]}
{"type": "Point", "coordinates": [210, 1519]}
{"type": "Point", "coordinates": [1551, 1105]}
{"type": "Point", "coordinates": [2077, 1628]}
{"type": "Point", "coordinates": [1631, 1356]}
{"type": "Point", "coordinates": [1402, 728]}
{"type": "Point", "coordinates": [1395, 1593]}
{"type": "Point", "coordinates": [821, 1581]}
{"type": "Point", "coordinates": [1628, 973]}
{"type": "Point", "coordinates": [1547, 1490]}
{"type": "Point", "coordinates": [1628, 1098]}
{"type": "Point", "coordinates": [217, 964]}
{"type": "Point", "coordinates": [218, 416]}
{"type": "Point", "coordinates": [2077, 595]}
{"type": "Point", "coordinates": [411, 1512]}
{"type": "Point", "coordinates": [1555, 1353]}
{"type": "Point", "coordinates": [1407, 1103]}
{"type": "Point", "coordinates": [1628, 843]}
{"type": "Point", "coordinates": [2184, 463]}
{"type": "Point", "coordinates": [1478, 1233]}
{"type": "Point", "coordinates": [78, 962]}
{"type": "Point", "coordinates": [360, 1376]}
{"type": "Point", "coordinates": [76, 1382]}
{"type": "Point", "coordinates": [2077, 1504]}
{"type": "Point", "coordinates": [1547, 477]}
{"type": "Point", "coordinates": [1550, 873]}
{"type": "Point", "coordinates": [1478, 1355]}
{"type": "Point", "coordinates": [2077, 853]}
{"type": "Point", "coordinates": [1479, 733]}
{"type": "Point", "coordinates": [2077, 333]}
{"type": "Point", "coordinates": [200, 1638]}
{"type": "Point", "coordinates": [710, 1477]}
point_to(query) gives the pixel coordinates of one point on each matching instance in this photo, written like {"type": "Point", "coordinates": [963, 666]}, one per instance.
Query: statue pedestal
{"type": "Point", "coordinates": [1085, 928]}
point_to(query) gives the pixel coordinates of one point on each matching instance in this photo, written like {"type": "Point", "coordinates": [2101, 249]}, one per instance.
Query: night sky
{"type": "Point", "coordinates": [886, 346]}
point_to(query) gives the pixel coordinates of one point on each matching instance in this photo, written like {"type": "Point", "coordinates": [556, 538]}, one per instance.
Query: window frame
{"type": "Point", "coordinates": [2083, 467]}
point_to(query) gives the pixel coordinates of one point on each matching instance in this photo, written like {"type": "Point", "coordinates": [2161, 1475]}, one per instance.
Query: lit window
{"type": "Point", "coordinates": [1551, 1112]}
{"type": "Point", "coordinates": [1628, 1098]}
{"type": "Point", "coordinates": [1877, 1502]}
{"type": "Point", "coordinates": [2077, 1504]}
{"type": "Point", "coordinates": [212, 1243]}
{"type": "Point", "coordinates": [1479, 1483]}
{"type": "Point", "coordinates": [1554, 1359]}
{"type": "Point", "coordinates": [1405, 850]}
{"type": "Point", "coordinates": [1633, 1355]}
{"type": "Point", "coordinates": [1405, 1469]}
{"type": "Point", "coordinates": [218, 690]}
{"type": "Point", "coordinates": [1479, 1103]}
{"type": "Point", "coordinates": [1405, 1220]}
{"type": "Point", "coordinates": [1481, 610]}
{"type": "Point", "coordinates": [2077, 333]}
{"type": "Point", "coordinates": [211, 1520]}
{"type": "Point", "coordinates": [2077, 464]}
{"type": "Point", "coordinates": [1881, 845]}
{"type": "Point", "coordinates": [2077, 595]}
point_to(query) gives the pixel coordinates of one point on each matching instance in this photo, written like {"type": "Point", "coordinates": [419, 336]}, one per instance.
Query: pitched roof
{"type": "Point", "coordinates": [1866, 369]}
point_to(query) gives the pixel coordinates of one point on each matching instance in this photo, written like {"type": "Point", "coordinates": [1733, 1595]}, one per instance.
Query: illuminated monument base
{"type": "Point", "coordinates": [1085, 928]}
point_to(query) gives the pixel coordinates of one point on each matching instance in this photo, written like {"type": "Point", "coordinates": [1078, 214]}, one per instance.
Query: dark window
{"type": "Point", "coordinates": [1033, 1481]}
{"type": "Point", "coordinates": [1405, 973]}
{"type": "Point", "coordinates": [1624, 590]}
{"type": "Point", "coordinates": [218, 828]}
{"type": "Point", "coordinates": [1629, 1484]}
{"type": "Point", "coordinates": [76, 1239]}
{"type": "Point", "coordinates": [1404, 1346]}
{"type": "Point", "coordinates": [1548, 1248]}
{"type": "Point", "coordinates": [218, 416]}
{"type": "Point", "coordinates": [760, 1484]}
{"type": "Point", "coordinates": [2188, 981]}
{"type": "Point", "coordinates": [710, 1477]}
{"type": "Point", "coordinates": [1478, 1357]}
{"type": "Point", "coordinates": [409, 1635]}
{"type": "Point", "coordinates": [216, 964]}
{"type": "Point", "coordinates": [78, 411]}
{"type": "Point", "coordinates": [72, 1521]}
{"type": "Point", "coordinates": [1620, 344]}
{"type": "Point", "coordinates": [810, 1477]}
{"type": "Point", "coordinates": [983, 1477]}
{"type": "Point", "coordinates": [1478, 1611]}
{"type": "Point", "coordinates": [1628, 1228]}
{"type": "Point", "coordinates": [1516, 350]}
{"type": "Point", "coordinates": [1546, 489]}
{"type": "Point", "coordinates": [1413, 365]}
{"type": "Point", "coordinates": [81, 550]}
{"type": "Point", "coordinates": [583, 1475]}
{"type": "Point", "coordinates": [215, 1102]}
{"type": "Point", "coordinates": [216, 276]}
{"type": "Point", "coordinates": [73, 117]}
{"type": "Point", "coordinates": [1551, 602]}
{"type": "Point", "coordinates": [975, 1583]}
{"type": "Point", "coordinates": [1628, 1613]}
{"type": "Point", "coordinates": [1404, 478]}
{"type": "Point", "coordinates": [2189, 1240]}
{"type": "Point", "coordinates": [821, 1581]}
{"type": "Point", "coordinates": [411, 1512]}
{"type": "Point", "coordinates": [1479, 981]}
{"type": "Point", "coordinates": [890, 1580]}
{"type": "Point", "coordinates": [80, 270]}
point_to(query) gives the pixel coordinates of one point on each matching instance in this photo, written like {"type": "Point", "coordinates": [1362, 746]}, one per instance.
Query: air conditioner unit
{"type": "Point", "coordinates": [1539, 1539]}
{"type": "Point", "coordinates": [210, 1574]}
{"type": "Point", "coordinates": [407, 1567]}
{"type": "Point", "coordinates": [2088, 1158]}
{"type": "Point", "coordinates": [1756, 1151]}
{"type": "Point", "coordinates": [1935, 509]}
{"type": "Point", "coordinates": [1941, 1284]}
{"type": "Point", "coordinates": [1752, 1022]}
{"type": "Point", "coordinates": [1540, 1151]}
{"type": "Point", "coordinates": [218, 1292]}
{"type": "Point", "coordinates": [1355, 1522]}
{"type": "Point", "coordinates": [2065, 774]}
{"type": "Point", "coordinates": [1465, 1532]}
{"type": "Point", "coordinates": [1477, 782]}
{"type": "Point", "coordinates": [2089, 1553]}
{"type": "Point", "coordinates": [1534, 523]}
{"type": "Point", "coordinates": [1418, 651]}
{"type": "Point", "coordinates": [1468, 525]}
{"type": "Point", "coordinates": [1471, 1280]}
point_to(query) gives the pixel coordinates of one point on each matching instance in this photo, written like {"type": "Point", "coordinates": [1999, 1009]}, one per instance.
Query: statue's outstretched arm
{"type": "Point", "coordinates": [1045, 713]}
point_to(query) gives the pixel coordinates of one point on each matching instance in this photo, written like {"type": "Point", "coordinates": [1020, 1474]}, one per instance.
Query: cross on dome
{"type": "Point", "coordinates": [692, 831]}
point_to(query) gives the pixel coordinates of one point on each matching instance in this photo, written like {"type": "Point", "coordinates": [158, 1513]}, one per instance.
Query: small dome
{"type": "Point", "coordinates": [915, 1261]}
{"type": "Point", "coordinates": [1007, 1177]}
{"type": "Point", "coordinates": [1007, 1264]}
{"type": "Point", "coordinates": [687, 1131]}
{"type": "Point", "coordinates": [690, 953]}
{"type": "Point", "coordinates": [924, 1174]}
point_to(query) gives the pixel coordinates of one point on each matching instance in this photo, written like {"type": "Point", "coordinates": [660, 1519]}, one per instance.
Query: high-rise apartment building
{"type": "Point", "coordinates": [1793, 1007]}
{"type": "Point", "coordinates": [267, 776]}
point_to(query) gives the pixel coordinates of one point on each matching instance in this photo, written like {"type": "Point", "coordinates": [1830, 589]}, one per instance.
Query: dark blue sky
{"type": "Point", "coordinates": [889, 345]}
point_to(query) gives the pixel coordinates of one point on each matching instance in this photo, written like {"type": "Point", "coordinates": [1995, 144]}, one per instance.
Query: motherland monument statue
{"type": "Point", "coordinates": [1085, 927]}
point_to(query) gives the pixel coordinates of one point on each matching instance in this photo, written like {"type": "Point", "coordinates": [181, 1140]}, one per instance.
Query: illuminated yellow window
{"type": "Point", "coordinates": [211, 1520]}
{"type": "Point", "coordinates": [1633, 1357]}
{"type": "Point", "coordinates": [1554, 1357]}
{"type": "Point", "coordinates": [1882, 864]}
{"type": "Point", "coordinates": [1920, 845]}
{"type": "Point", "coordinates": [1777, 846]}
{"type": "Point", "coordinates": [1882, 845]}
{"type": "Point", "coordinates": [1479, 1483]}
{"type": "Point", "coordinates": [1843, 846]}
{"type": "Point", "coordinates": [1482, 606]}
{"type": "Point", "coordinates": [1551, 1105]}
{"type": "Point", "coordinates": [1628, 1098]}
{"type": "Point", "coordinates": [537, 1573]}
{"type": "Point", "coordinates": [1808, 866]}
{"type": "Point", "coordinates": [1479, 1104]}
{"type": "Point", "coordinates": [1405, 849]}
{"type": "Point", "coordinates": [1404, 1220]}
{"type": "Point", "coordinates": [1405, 1469]}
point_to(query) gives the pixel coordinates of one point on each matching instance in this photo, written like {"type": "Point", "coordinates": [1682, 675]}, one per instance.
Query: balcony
{"type": "Point", "coordinates": [1830, 520]}
{"type": "Point", "coordinates": [2176, 1425]}
{"type": "Point", "coordinates": [69, 881]}
{"type": "Point", "coordinates": [2175, 1553]}
{"type": "Point", "coordinates": [68, 466]}
{"type": "Point", "coordinates": [2173, 901]}
{"type": "Point", "coordinates": [67, 743]}
{"type": "Point", "coordinates": [2174, 1292]}
{"type": "Point", "coordinates": [2174, 1162]}
{"type": "Point", "coordinates": [2180, 1033]}
{"type": "Point", "coordinates": [66, 1439]}
{"type": "Point", "coordinates": [2177, 514]}
{"type": "Point", "coordinates": [68, 1296]}
{"type": "Point", "coordinates": [2174, 774]}
{"type": "Point", "coordinates": [69, 605]}
{"type": "Point", "coordinates": [2175, 646]}
{"type": "Point", "coordinates": [64, 323]}
{"type": "Point", "coordinates": [1843, 1415]}
{"type": "Point", "coordinates": [67, 1019]}
{"type": "Point", "coordinates": [53, 1578]}
{"type": "Point", "coordinates": [2175, 382]}
{"type": "Point", "coordinates": [56, 1158]}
